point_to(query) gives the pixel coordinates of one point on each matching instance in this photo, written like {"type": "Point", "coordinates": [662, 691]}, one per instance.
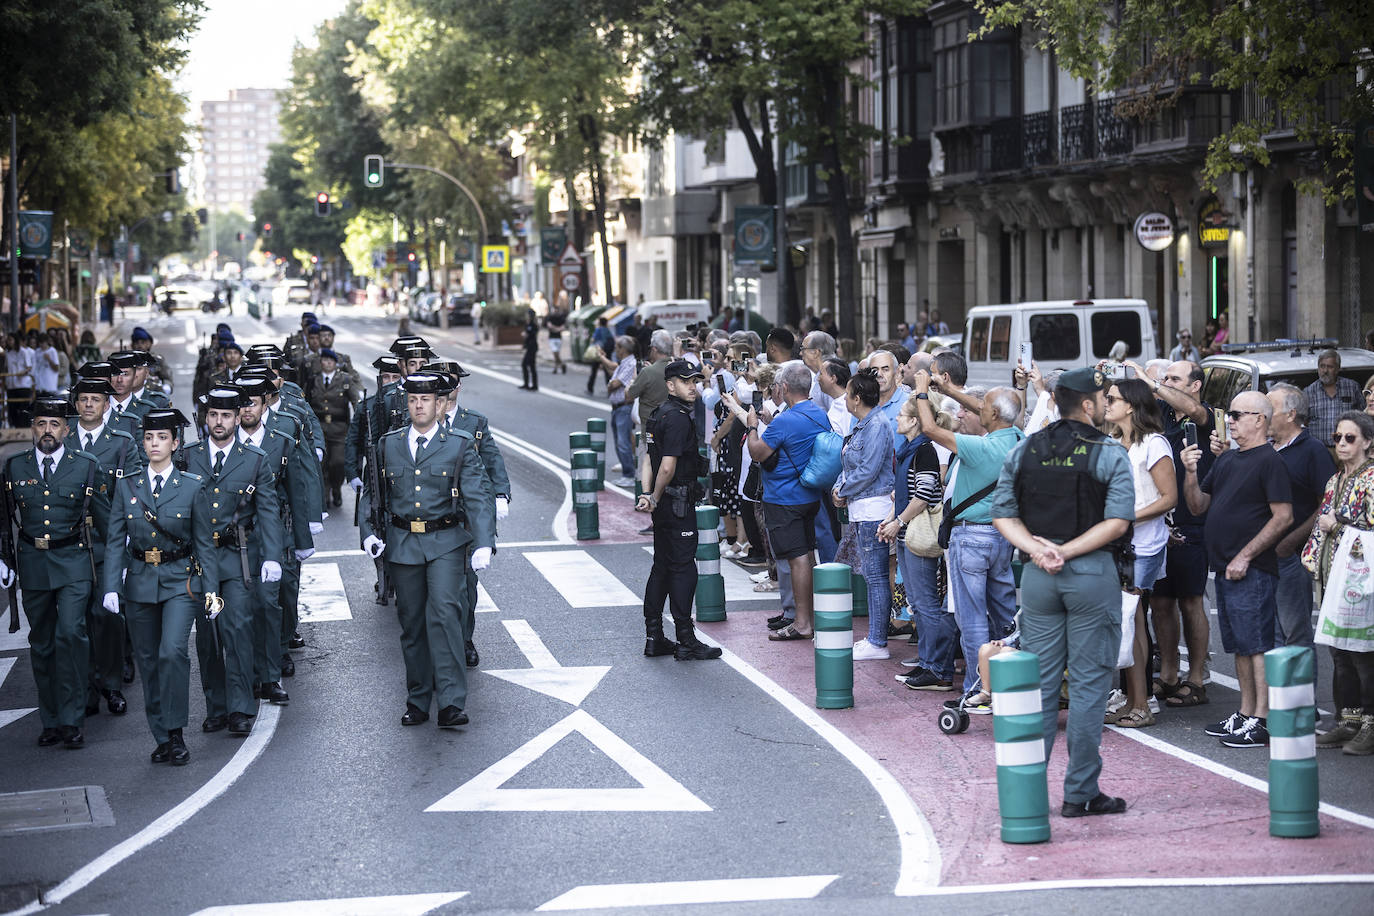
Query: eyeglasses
{"type": "Point", "coordinates": [1368, 392]}
{"type": "Point", "coordinates": [1112, 399]}
{"type": "Point", "coordinates": [1185, 337]}
{"type": "Point", "coordinates": [1235, 415]}
{"type": "Point", "coordinates": [1347, 438]}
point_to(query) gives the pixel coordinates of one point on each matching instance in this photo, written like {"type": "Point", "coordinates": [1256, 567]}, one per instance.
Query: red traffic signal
{"type": "Point", "coordinates": [314, 259]}
{"type": "Point", "coordinates": [410, 256]}
{"type": "Point", "coordinates": [267, 255]}
{"type": "Point", "coordinates": [267, 230]}
{"type": "Point", "coordinates": [322, 203]}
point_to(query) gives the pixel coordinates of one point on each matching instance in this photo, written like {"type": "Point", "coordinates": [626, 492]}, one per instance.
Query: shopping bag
{"type": "Point", "coordinates": [1125, 655]}
{"type": "Point", "coordinates": [1347, 613]}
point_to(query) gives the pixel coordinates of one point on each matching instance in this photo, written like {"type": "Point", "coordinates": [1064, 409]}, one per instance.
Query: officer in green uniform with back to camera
{"type": "Point", "coordinates": [672, 440]}
{"type": "Point", "coordinates": [439, 500]}
{"type": "Point", "coordinates": [160, 521]}
{"type": "Point", "coordinates": [1071, 596]}
{"type": "Point", "coordinates": [59, 495]}
{"type": "Point", "coordinates": [246, 524]}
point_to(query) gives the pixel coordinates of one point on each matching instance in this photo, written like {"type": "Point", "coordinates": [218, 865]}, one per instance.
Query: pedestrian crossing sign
{"type": "Point", "coordinates": [495, 259]}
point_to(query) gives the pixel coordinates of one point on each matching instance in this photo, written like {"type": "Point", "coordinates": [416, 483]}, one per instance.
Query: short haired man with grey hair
{"type": "Point", "coordinates": [816, 348]}
{"type": "Point", "coordinates": [1309, 466]}
{"type": "Point", "coordinates": [892, 394]}
{"type": "Point", "coordinates": [1249, 507]}
{"type": "Point", "coordinates": [651, 390]}
{"type": "Point", "coordinates": [1330, 396]}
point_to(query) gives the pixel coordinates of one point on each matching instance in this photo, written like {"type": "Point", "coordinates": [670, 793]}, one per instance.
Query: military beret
{"type": "Point", "coordinates": [224, 398]}
{"type": "Point", "coordinates": [222, 326]}
{"type": "Point", "coordinates": [168, 418]}
{"type": "Point", "coordinates": [232, 345]}
{"type": "Point", "coordinates": [92, 385]}
{"type": "Point", "coordinates": [324, 328]}
{"type": "Point", "coordinates": [307, 316]}
{"type": "Point", "coordinates": [140, 334]}
{"type": "Point", "coordinates": [312, 329]}
{"type": "Point", "coordinates": [1086, 380]}
{"type": "Point", "coordinates": [326, 353]}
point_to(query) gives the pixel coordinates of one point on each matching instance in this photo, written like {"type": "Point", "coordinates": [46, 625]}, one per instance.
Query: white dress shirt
{"type": "Point", "coordinates": [215, 451]}
{"type": "Point", "coordinates": [95, 434]}
{"type": "Point", "coordinates": [155, 476]}
{"type": "Point", "coordinates": [55, 456]}
{"type": "Point", "coordinates": [116, 404]}
{"type": "Point", "coordinates": [413, 437]}
{"type": "Point", "coordinates": [255, 438]}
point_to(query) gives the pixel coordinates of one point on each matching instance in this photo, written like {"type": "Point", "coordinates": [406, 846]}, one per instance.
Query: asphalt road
{"type": "Point", "coordinates": [589, 775]}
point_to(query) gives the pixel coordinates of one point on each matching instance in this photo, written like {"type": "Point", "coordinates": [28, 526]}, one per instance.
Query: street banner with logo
{"type": "Point", "coordinates": [754, 235]}
{"type": "Point", "coordinates": [35, 233]}
{"type": "Point", "coordinates": [552, 240]}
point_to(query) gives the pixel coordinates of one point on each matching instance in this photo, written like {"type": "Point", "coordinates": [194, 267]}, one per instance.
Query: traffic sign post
{"type": "Point", "coordinates": [495, 259]}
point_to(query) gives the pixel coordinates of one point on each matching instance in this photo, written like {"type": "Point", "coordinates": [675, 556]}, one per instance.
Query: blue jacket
{"type": "Point", "coordinates": [867, 461]}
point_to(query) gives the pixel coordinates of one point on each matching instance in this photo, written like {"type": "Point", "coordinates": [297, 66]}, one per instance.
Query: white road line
{"type": "Point", "coordinates": [529, 643]}
{"type": "Point", "coordinates": [11, 715]}
{"type": "Point", "coordinates": [484, 603]}
{"type": "Point", "coordinates": [397, 905]}
{"type": "Point", "coordinates": [190, 328]}
{"type": "Point", "coordinates": [1114, 883]}
{"type": "Point", "coordinates": [676, 893]}
{"type": "Point", "coordinates": [1245, 779]}
{"type": "Point", "coordinates": [582, 581]}
{"type": "Point", "coordinates": [920, 853]}
{"type": "Point", "coordinates": [322, 593]}
{"type": "Point", "coordinates": [264, 726]}
{"type": "Point", "coordinates": [19, 639]}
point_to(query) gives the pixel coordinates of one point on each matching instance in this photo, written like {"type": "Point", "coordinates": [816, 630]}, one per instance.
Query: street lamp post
{"type": "Point", "coordinates": [481, 217]}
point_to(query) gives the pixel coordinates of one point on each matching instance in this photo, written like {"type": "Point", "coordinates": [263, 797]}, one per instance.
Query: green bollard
{"type": "Point", "coordinates": [834, 639]}
{"type": "Point", "coordinates": [596, 428]}
{"type": "Point", "coordinates": [710, 596]}
{"type": "Point", "coordinates": [1018, 728]}
{"type": "Point", "coordinates": [578, 442]}
{"type": "Point", "coordinates": [858, 588]}
{"type": "Point", "coordinates": [1294, 794]}
{"type": "Point", "coordinates": [584, 494]}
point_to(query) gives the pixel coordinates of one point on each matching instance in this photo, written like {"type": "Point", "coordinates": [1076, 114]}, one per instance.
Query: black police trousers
{"type": "Point", "coordinates": [674, 573]}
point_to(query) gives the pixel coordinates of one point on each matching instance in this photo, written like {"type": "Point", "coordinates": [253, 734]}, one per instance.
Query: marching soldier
{"type": "Point", "coordinates": [140, 341]}
{"type": "Point", "coordinates": [331, 398]}
{"type": "Point", "coordinates": [440, 502]}
{"type": "Point", "coordinates": [295, 343]}
{"type": "Point", "coordinates": [126, 409]}
{"type": "Point", "coordinates": [161, 522]}
{"type": "Point", "coordinates": [233, 364]}
{"type": "Point", "coordinates": [59, 495]}
{"type": "Point", "coordinates": [117, 454]}
{"type": "Point", "coordinates": [245, 521]}
{"type": "Point", "coordinates": [343, 360]}
{"type": "Point", "coordinates": [475, 423]}
{"type": "Point", "coordinates": [293, 467]}
{"type": "Point", "coordinates": [154, 397]}
{"type": "Point", "coordinates": [355, 449]}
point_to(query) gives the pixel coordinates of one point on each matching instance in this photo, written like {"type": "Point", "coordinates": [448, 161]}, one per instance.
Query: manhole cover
{"type": "Point", "coordinates": [54, 809]}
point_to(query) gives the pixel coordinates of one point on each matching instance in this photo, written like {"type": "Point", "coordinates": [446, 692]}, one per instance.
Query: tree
{"type": "Point", "coordinates": [1304, 60]}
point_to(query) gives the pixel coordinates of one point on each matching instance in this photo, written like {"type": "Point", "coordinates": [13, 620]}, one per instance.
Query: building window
{"type": "Point", "coordinates": [654, 185]}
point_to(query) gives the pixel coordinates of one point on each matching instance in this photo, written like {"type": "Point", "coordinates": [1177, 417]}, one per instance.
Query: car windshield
{"type": "Point", "coordinates": [1302, 378]}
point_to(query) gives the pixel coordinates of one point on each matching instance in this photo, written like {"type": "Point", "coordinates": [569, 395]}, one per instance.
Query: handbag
{"type": "Point", "coordinates": [592, 354]}
{"type": "Point", "coordinates": [947, 523]}
{"type": "Point", "coordinates": [1125, 653]}
{"type": "Point", "coordinates": [753, 484]}
{"type": "Point", "coordinates": [823, 468]}
{"type": "Point", "coordinates": [923, 532]}
{"type": "Point", "coordinates": [1346, 620]}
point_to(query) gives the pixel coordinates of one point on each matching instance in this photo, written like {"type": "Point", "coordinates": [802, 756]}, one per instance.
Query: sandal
{"type": "Point", "coordinates": [767, 585]}
{"type": "Point", "coordinates": [787, 634]}
{"type": "Point", "coordinates": [1196, 695]}
{"type": "Point", "coordinates": [1162, 689]}
{"type": "Point", "coordinates": [1136, 718]}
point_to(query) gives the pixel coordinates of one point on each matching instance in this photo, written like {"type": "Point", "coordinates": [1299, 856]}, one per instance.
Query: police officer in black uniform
{"type": "Point", "coordinates": [672, 439]}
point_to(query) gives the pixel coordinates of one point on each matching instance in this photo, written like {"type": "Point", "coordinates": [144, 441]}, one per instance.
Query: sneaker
{"type": "Point", "coordinates": [928, 680]}
{"type": "Point", "coordinates": [911, 662]}
{"type": "Point", "coordinates": [865, 651]}
{"type": "Point", "coordinates": [1252, 733]}
{"type": "Point", "coordinates": [759, 576]}
{"type": "Point", "coordinates": [1226, 727]}
{"type": "Point", "coordinates": [727, 551]}
{"type": "Point", "coordinates": [625, 483]}
{"type": "Point", "coordinates": [1115, 700]}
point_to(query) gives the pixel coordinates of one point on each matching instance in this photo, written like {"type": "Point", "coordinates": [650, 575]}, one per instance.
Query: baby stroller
{"type": "Point", "coordinates": [953, 718]}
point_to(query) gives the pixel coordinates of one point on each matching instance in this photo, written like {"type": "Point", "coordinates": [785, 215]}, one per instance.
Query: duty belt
{"type": "Point", "coordinates": [156, 557]}
{"type": "Point", "coordinates": [47, 542]}
{"type": "Point", "coordinates": [229, 537]}
{"type": "Point", "coordinates": [422, 526]}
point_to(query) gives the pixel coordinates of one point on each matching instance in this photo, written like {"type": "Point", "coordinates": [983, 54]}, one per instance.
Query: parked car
{"type": "Point", "coordinates": [291, 292]}
{"type": "Point", "coordinates": [183, 297]}
{"type": "Point", "coordinates": [424, 307]}
{"type": "Point", "coordinates": [1256, 366]}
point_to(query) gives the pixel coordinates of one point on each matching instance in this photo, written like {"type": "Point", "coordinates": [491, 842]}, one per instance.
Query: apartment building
{"type": "Point", "coordinates": [235, 135]}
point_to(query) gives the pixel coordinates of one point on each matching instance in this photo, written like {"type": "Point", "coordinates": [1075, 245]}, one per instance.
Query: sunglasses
{"type": "Point", "coordinates": [1368, 392]}
{"type": "Point", "coordinates": [1347, 438]}
{"type": "Point", "coordinates": [1235, 415]}
{"type": "Point", "coordinates": [1112, 399]}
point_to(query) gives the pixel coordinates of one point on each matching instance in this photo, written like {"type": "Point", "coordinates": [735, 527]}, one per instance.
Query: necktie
{"type": "Point", "coordinates": [90, 441]}
{"type": "Point", "coordinates": [157, 485]}
{"type": "Point", "coordinates": [118, 411]}
{"type": "Point", "coordinates": [419, 447]}
{"type": "Point", "coordinates": [47, 469]}
{"type": "Point", "coordinates": [219, 463]}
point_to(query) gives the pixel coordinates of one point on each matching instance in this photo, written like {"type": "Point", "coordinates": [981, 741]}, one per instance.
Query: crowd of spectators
{"type": "Point", "coordinates": [1255, 506]}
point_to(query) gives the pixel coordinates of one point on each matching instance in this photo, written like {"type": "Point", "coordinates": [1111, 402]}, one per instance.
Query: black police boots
{"type": "Point", "coordinates": [655, 643]}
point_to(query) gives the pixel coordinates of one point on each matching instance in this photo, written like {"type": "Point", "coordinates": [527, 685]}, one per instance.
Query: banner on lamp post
{"type": "Point", "coordinates": [755, 236]}
{"type": "Point", "coordinates": [35, 233]}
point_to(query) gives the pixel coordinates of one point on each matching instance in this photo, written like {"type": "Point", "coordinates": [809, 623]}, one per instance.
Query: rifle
{"type": "Point", "coordinates": [377, 516]}
{"type": "Point", "coordinates": [7, 547]}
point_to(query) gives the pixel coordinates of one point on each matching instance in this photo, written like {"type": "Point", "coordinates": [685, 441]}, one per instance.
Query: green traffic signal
{"type": "Point", "coordinates": [373, 171]}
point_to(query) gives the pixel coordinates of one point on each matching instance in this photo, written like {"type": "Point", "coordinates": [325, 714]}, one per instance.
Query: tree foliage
{"type": "Point", "coordinates": [1302, 59]}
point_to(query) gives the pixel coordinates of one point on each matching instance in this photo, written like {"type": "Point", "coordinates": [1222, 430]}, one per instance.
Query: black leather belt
{"type": "Point", "coordinates": [156, 557]}
{"type": "Point", "coordinates": [421, 526]}
{"type": "Point", "coordinates": [229, 537]}
{"type": "Point", "coordinates": [50, 543]}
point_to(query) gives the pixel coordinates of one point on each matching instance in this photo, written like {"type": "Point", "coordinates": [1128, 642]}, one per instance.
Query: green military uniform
{"type": "Point", "coordinates": [152, 398]}
{"type": "Point", "coordinates": [54, 564]}
{"type": "Point", "coordinates": [440, 504]}
{"type": "Point", "coordinates": [331, 400]}
{"type": "Point", "coordinates": [304, 471]}
{"type": "Point", "coordinates": [117, 454]}
{"type": "Point", "coordinates": [163, 590]}
{"type": "Point", "coordinates": [475, 423]}
{"type": "Point", "coordinates": [246, 525]}
{"type": "Point", "coordinates": [1060, 482]}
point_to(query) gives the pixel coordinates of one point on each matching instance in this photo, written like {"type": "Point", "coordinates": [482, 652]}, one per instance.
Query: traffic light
{"type": "Point", "coordinates": [410, 257]}
{"type": "Point", "coordinates": [267, 230]}
{"type": "Point", "coordinates": [374, 171]}
{"type": "Point", "coordinates": [322, 203]}
{"type": "Point", "coordinates": [203, 215]}
{"type": "Point", "coordinates": [239, 236]}
{"type": "Point", "coordinates": [314, 259]}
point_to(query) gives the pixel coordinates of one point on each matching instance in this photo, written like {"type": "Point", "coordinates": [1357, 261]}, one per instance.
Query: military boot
{"type": "Point", "coordinates": [655, 643]}
{"type": "Point", "coordinates": [1347, 725]}
{"type": "Point", "coordinates": [689, 648]}
{"type": "Point", "coordinates": [1362, 745]}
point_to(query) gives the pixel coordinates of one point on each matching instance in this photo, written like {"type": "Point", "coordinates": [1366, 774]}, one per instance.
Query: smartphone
{"type": "Point", "coordinates": [720, 382]}
{"type": "Point", "coordinates": [758, 401]}
{"type": "Point", "coordinates": [1025, 358]}
{"type": "Point", "coordinates": [739, 367]}
{"type": "Point", "coordinates": [1219, 420]}
{"type": "Point", "coordinates": [1189, 433]}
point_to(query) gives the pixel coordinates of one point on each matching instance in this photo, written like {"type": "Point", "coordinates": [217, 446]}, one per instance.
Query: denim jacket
{"type": "Point", "coordinates": [867, 467]}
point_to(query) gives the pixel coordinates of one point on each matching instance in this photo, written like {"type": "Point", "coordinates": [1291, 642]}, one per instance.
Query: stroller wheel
{"type": "Point", "coordinates": [963, 723]}
{"type": "Point", "coordinates": [950, 723]}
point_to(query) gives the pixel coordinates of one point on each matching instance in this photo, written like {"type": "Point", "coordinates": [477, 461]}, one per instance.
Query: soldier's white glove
{"type": "Point", "coordinates": [316, 528]}
{"type": "Point", "coordinates": [111, 602]}
{"type": "Point", "coordinates": [305, 554]}
{"type": "Point", "coordinates": [6, 575]}
{"type": "Point", "coordinates": [481, 559]}
{"type": "Point", "coordinates": [374, 545]}
{"type": "Point", "coordinates": [357, 485]}
{"type": "Point", "coordinates": [502, 507]}
{"type": "Point", "coordinates": [271, 571]}
{"type": "Point", "coordinates": [319, 454]}
{"type": "Point", "coordinates": [213, 605]}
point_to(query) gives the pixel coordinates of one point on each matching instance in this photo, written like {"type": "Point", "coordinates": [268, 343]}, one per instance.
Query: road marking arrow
{"type": "Point", "coordinates": [571, 685]}
{"type": "Point", "coordinates": [9, 715]}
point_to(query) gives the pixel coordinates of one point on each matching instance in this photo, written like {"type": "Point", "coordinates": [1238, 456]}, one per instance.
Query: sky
{"type": "Point", "coordinates": [246, 44]}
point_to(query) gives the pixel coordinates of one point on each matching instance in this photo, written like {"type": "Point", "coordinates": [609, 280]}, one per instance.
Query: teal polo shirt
{"type": "Point", "coordinates": [980, 461]}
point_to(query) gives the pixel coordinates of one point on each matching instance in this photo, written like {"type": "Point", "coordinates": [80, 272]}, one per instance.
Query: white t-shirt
{"type": "Point", "coordinates": [841, 420]}
{"type": "Point", "coordinates": [1149, 537]}
{"type": "Point", "coordinates": [45, 366]}
{"type": "Point", "coordinates": [20, 364]}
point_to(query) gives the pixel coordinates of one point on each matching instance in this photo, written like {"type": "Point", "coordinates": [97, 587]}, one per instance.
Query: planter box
{"type": "Point", "coordinates": [508, 336]}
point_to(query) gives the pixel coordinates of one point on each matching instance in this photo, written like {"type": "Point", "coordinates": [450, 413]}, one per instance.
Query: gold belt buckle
{"type": "Point", "coordinates": [417, 527]}
{"type": "Point", "coordinates": [43, 543]}
{"type": "Point", "coordinates": [153, 556]}
{"type": "Point", "coordinates": [328, 418]}
{"type": "Point", "coordinates": [215, 535]}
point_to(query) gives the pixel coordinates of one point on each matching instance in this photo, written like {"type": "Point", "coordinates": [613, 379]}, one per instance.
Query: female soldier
{"type": "Point", "coordinates": [165, 517]}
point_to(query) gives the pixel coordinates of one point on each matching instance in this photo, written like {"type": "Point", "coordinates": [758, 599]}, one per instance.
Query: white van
{"type": "Point", "coordinates": [675, 314]}
{"type": "Point", "coordinates": [1066, 334]}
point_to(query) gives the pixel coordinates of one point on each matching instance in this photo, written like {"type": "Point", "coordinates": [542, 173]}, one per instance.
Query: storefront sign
{"type": "Point", "coordinates": [1154, 231]}
{"type": "Point", "coordinates": [1214, 224]}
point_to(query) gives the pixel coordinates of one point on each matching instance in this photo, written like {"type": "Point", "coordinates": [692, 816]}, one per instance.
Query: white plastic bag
{"type": "Point", "coordinates": [1125, 655]}
{"type": "Point", "coordinates": [1347, 613]}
